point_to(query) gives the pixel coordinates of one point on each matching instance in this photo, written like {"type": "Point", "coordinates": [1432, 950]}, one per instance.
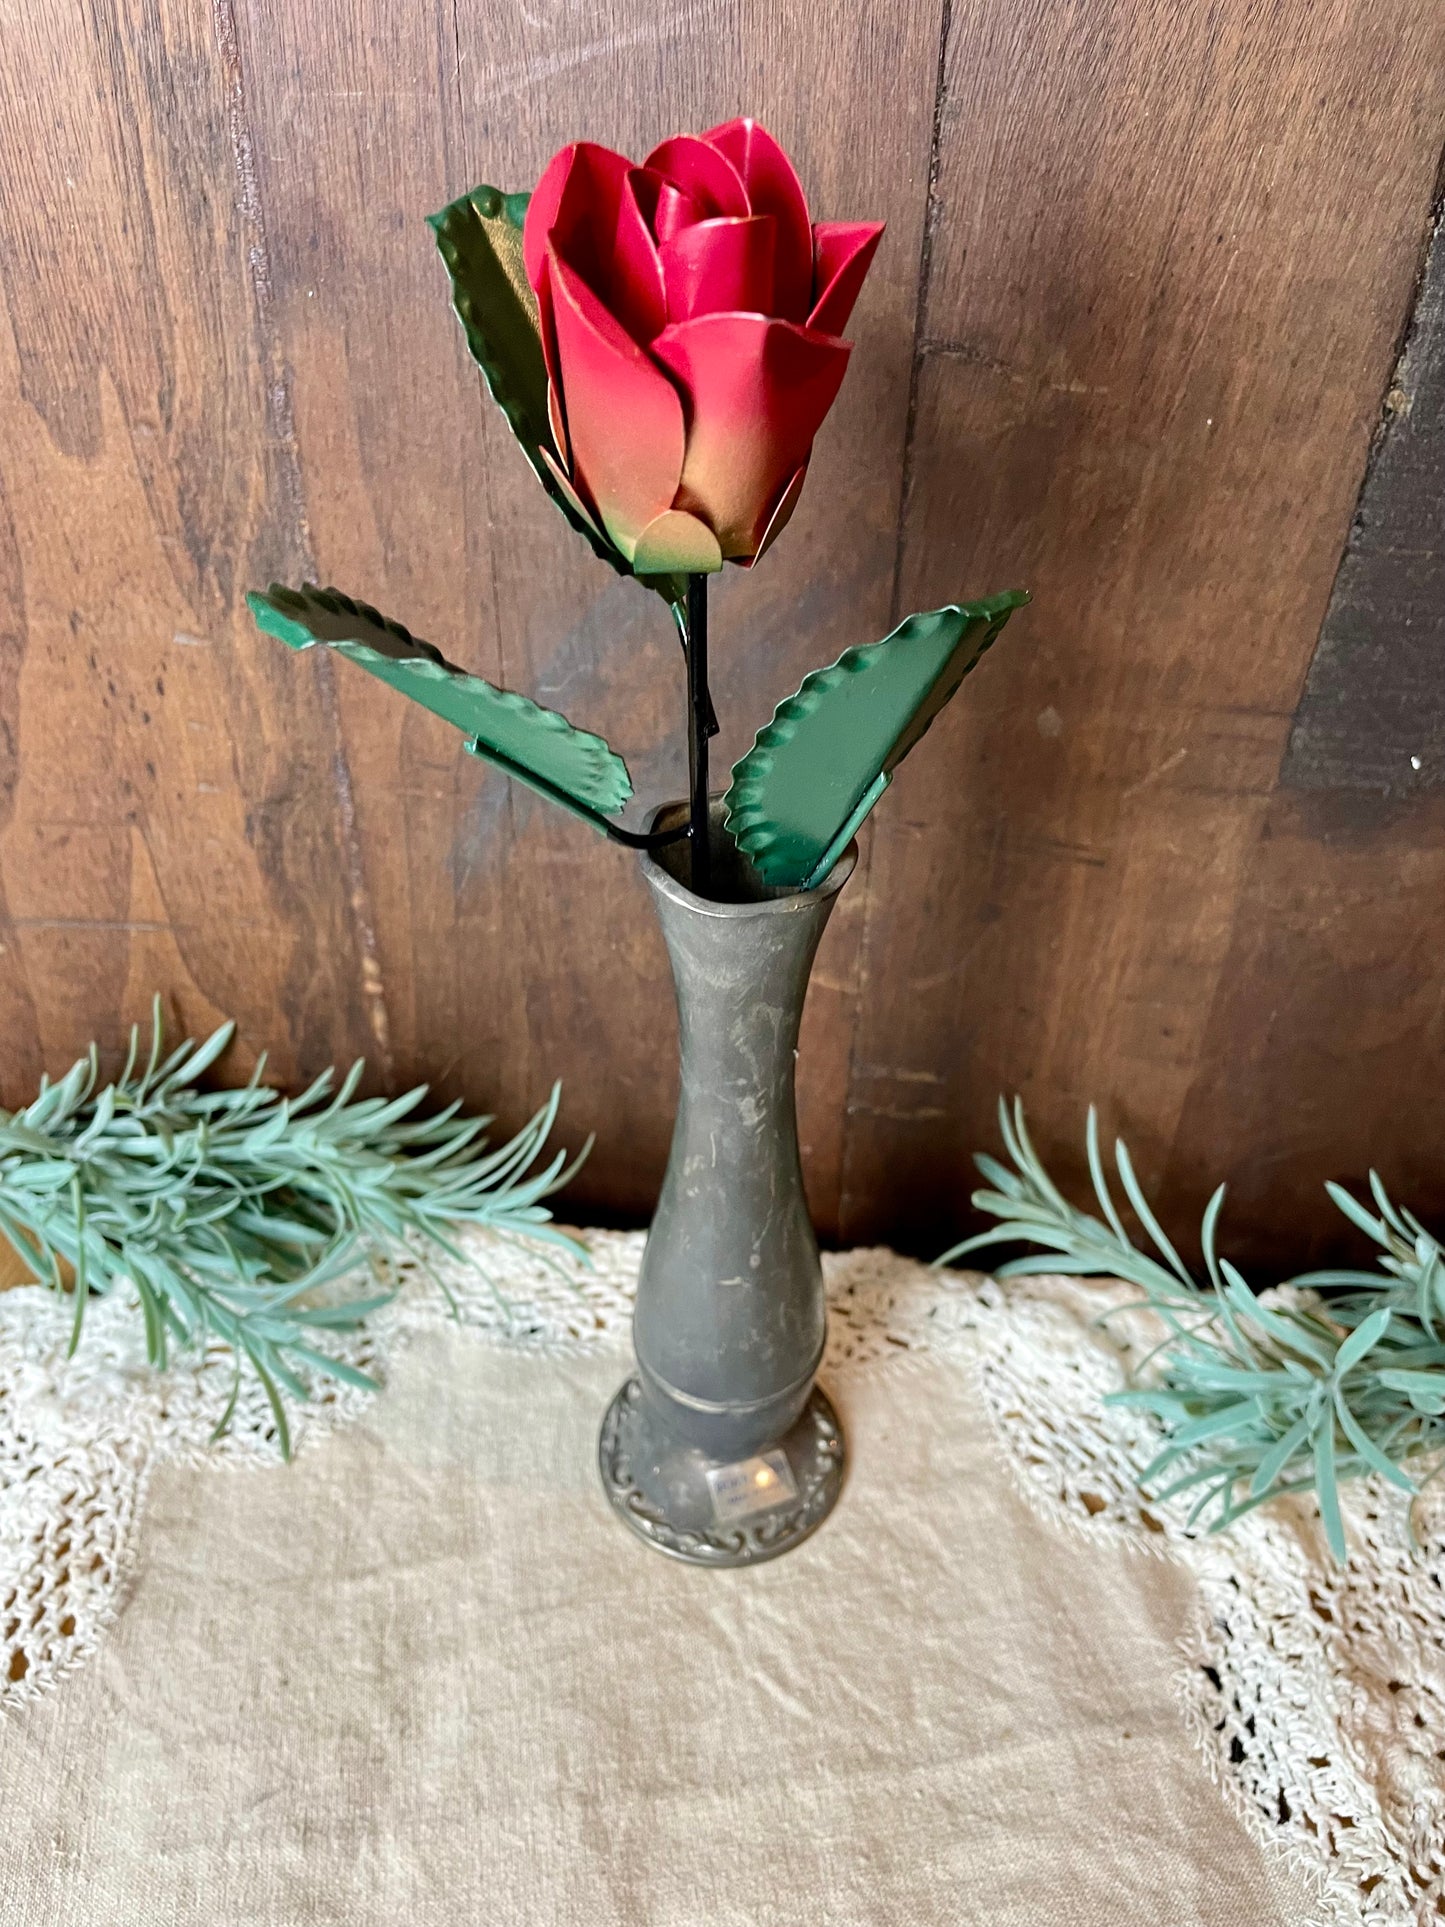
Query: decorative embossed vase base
{"type": "Point", "coordinates": [716, 1512]}
{"type": "Point", "coordinates": [721, 1450]}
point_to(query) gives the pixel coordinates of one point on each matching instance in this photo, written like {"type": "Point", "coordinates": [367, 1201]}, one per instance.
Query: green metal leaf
{"type": "Point", "coordinates": [479, 237]}
{"type": "Point", "coordinates": [537, 746]}
{"type": "Point", "coordinates": [815, 771]}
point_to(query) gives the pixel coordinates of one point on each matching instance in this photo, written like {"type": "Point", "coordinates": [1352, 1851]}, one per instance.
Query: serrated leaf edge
{"type": "Point", "coordinates": [748, 823]}
{"type": "Point", "coordinates": [746, 820]}
{"type": "Point", "coordinates": [489, 203]}
{"type": "Point", "coordinates": [431, 665]}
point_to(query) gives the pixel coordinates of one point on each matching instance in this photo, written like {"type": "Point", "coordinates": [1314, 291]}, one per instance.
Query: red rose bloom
{"type": "Point", "coordinates": [690, 315]}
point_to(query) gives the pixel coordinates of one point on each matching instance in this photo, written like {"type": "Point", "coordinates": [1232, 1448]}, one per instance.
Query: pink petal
{"type": "Point", "coordinates": [676, 542]}
{"type": "Point", "coordinates": [564, 482]}
{"type": "Point", "coordinates": [719, 266]}
{"type": "Point", "coordinates": [584, 228]}
{"type": "Point", "coordinates": [557, 421]}
{"type": "Point", "coordinates": [542, 212]}
{"type": "Point", "coordinates": [546, 325]}
{"type": "Point", "coordinates": [638, 295]}
{"type": "Point", "coordinates": [842, 254]}
{"type": "Point", "coordinates": [624, 417]}
{"type": "Point", "coordinates": [773, 188]}
{"type": "Point", "coordinates": [757, 391]}
{"type": "Point", "coordinates": [675, 211]}
{"type": "Point", "coordinates": [589, 179]}
{"type": "Point", "coordinates": [702, 172]}
{"type": "Point", "coordinates": [780, 517]}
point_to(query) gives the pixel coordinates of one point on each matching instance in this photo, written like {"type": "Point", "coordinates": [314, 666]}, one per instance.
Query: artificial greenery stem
{"type": "Point", "coordinates": [233, 1214]}
{"type": "Point", "coordinates": [1336, 1375]}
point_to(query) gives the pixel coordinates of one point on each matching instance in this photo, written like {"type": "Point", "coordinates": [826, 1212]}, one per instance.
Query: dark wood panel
{"type": "Point", "coordinates": [1126, 342]}
{"type": "Point", "coordinates": [1372, 716]}
{"type": "Point", "coordinates": [513, 946]}
{"type": "Point", "coordinates": [1322, 1052]}
{"type": "Point", "coordinates": [172, 821]}
{"type": "Point", "coordinates": [1155, 345]}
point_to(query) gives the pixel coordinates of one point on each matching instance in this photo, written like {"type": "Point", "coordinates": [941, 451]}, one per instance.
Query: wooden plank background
{"type": "Point", "coordinates": [1147, 270]}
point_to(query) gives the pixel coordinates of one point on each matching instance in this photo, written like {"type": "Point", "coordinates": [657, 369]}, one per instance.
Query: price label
{"type": "Point", "coordinates": [752, 1485]}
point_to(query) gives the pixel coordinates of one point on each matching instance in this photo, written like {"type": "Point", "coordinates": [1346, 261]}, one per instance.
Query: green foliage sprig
{"type": "Point", "coordinates": [1340, 1374]}
{"type": "Point", "coordinates": [230, 1210]}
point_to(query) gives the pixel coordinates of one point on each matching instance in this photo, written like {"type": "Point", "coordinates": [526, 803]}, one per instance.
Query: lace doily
{"type": "Point", "coordinates": [1316, 1693]}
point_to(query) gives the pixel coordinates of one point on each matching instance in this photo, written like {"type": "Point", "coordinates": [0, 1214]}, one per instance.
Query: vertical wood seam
{"type": "Point", "coordinates": [1294, 754]}
{"type": "Point", "coordinates": [477, 387]}
{"type": "Point", "coordinates": [484, 401]}
{"type": "Point", "coordinates": [1295, 771]}
{"type": "Point", "coordinates": [920, 312]}
{"type": "Point", "coordinates": [282, 424]}
{"type": "Point", "coordinates": [920, 316]}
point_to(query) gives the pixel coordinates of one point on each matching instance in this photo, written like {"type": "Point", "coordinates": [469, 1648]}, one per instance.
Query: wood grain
{"type": "Point", "coordinates": [1372, 716]}
{"type": "Point", "coordinates": [1330, 1012]}
{"type": "Point", "coordinates": [514, 946]}
{"type": "Point", "coordinates": [1154, 347]}
{"type": "Point", "coordinates": [172, 821]}
{"type": "Point", "coordinates": [1326, 1027]}
{"type": "Point", "coordinates": [1145, 273]}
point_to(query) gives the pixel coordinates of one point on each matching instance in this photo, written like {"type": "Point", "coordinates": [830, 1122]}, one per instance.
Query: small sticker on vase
{"type": "Point", "coordinates": [752, 1485]}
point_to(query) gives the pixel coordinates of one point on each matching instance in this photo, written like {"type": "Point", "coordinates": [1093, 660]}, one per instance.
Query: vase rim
{"type": "Point", "coordinates": [662, 879]}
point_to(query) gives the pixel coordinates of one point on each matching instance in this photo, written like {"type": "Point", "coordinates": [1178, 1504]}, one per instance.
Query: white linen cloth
{"type": "Point", "coordinates": [423, 1675]}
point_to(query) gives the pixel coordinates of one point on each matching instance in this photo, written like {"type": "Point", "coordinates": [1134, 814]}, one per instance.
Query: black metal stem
{"type": "Point", "coordinates": [640, 840]}
{"type": "Point", "coordinates": [699, 715]}
{"type": "Point", "coordinates": [679, 616]}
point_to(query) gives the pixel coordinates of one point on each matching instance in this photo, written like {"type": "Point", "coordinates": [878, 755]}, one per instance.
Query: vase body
{"type": "Point", "coordinates": [721, 1449]}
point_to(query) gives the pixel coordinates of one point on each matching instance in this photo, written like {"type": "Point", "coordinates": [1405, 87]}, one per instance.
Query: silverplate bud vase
{"type": "Point", "coordinates": [720, 1449]}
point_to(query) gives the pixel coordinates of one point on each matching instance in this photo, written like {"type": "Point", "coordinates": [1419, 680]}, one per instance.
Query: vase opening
{"type": "Point", "coordinates": [735, 878]}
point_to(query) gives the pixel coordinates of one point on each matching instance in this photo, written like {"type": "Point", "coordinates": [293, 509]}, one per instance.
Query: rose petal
{"type": "Point", "coordinates": [757, 391]}
{"type": "Point", "coordinates": [542, 212]}
{"type": "Point", "coordinates": [842, 254]}
{"type": "Point", "coordinates": [564, 482]}
{"type": "Point", "coordinates": [546, 324]}
{"type": "Point", "coordinates": [675, 211]}
{"type": "Point", "coordinates": [557, 421]}
{"type": "Point", "coordinates": [773, 188]}
{"type": "Point", "coordinates": [638, 295]}
{"type": "Point", "coordinates": [702, 172]}
{"type": "Point", "coordinates": [720, 266]}
{"type": "Point", "coordinates": [674, 541]}
{"type": "Point", "coordinates": [780, 517]}
{"type": "Point", "coordinates": [624, 416]}
{"type": "Point", "coordinates": [588, 178]}
{"type": "Point", "coordinates": [584, 231]}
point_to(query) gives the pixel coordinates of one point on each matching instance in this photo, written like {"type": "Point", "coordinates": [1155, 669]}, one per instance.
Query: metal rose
{"type": "Point", "coordinates": [690, 316]}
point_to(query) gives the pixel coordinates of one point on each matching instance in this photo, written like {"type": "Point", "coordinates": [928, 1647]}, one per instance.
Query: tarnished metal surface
{"type": "Point", "coordinates": [730, 1313]}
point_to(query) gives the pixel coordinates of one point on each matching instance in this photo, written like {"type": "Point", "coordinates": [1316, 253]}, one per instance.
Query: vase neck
{"type": "Point", "coordinates": [740, 980]}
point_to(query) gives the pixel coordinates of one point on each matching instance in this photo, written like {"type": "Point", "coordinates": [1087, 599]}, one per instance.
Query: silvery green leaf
{"type": "Point", "coordinates": [1356, 1213]}
{"type": "Point", "coordinates": [235, 1213]}
{"type": "Point", "coordinates": [1361, 1340]}
{"type": "Point", "coordinates": [1365, 1445]}
{"type": "Point", "coordinates": [1279, 1456]}
{"type": "Point", "coordinates": [1326, 1487]}
{"type": "Point", "coordinates": [1251, 1396]}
